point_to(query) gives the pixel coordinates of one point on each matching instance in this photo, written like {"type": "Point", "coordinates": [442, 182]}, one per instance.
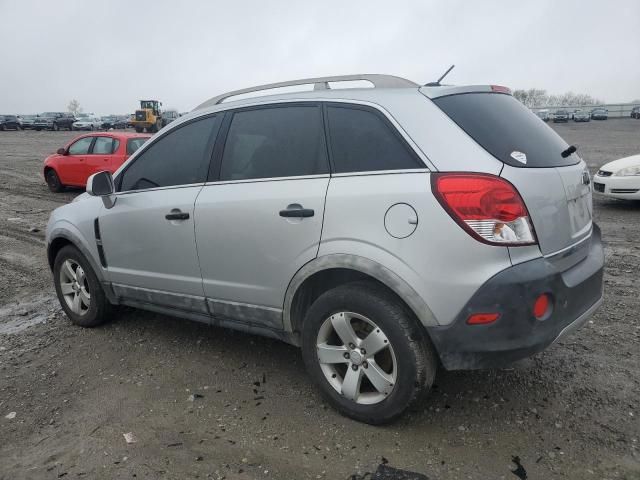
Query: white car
{"type": "Point", "coordinates": [87, 123]}
{"type": "Point", "coordinates": [619, 179]}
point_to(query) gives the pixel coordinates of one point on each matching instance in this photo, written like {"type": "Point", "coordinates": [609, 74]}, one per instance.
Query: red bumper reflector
{"type": "Point", "coordinates": [541, 306]}
{"type": "Point", "coordinates": [482, 318]}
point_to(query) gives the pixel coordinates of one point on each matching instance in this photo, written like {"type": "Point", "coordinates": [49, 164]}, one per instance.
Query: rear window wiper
{"type": "Point", "coordinates": [569, 151]}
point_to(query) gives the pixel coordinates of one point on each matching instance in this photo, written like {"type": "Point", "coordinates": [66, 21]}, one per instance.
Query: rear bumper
{"type": "Point", "coordinates": [576, 293]}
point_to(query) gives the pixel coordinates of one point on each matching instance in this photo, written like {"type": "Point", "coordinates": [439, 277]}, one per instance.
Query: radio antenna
{"type": "Point", "coordinates": [437, 83]}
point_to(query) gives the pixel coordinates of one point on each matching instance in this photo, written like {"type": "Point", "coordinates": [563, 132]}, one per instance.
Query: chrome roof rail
{"type": "Point", "coordinates": [320, 83]}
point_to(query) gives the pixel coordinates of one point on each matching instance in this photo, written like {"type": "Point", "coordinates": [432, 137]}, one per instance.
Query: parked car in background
{"type": "Point", "coordinates": [54, 121]}
{"type": "Point", "coordinates": [27, 121]}
{"type": "Point", "coordinates": [169, 116]}
{"type": "Point", "coordinates": [543, 115]}
{"type": "Point", "coordinates": [9, 122]}
{"type": "Point", "coordinates": [619, 179]}
{"type": "Point", "coordinates": [635, 112]}
{"type": "Point", "coordinates": [114, 121]}
{"type": "Point", "coordinates": [599, 114]}
{"type": "Point", "coordinates": [561, 116]}
{"type": "Point", "coordinates": [383, 253]}
{"type": "Point", "coordinates": [87, 123]}
{"type": "Point", "coordinates": [88, 154]}
{"type": "Point", "coordinates": [581, 116]}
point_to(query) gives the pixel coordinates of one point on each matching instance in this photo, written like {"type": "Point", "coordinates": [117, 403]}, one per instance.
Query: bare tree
{"type": "Point", "coordinates": [535, 97]}
{"type": "Point", "coordinates": [74, 107]}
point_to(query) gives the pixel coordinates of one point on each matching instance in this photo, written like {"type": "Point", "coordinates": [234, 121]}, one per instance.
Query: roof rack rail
{"type": "Point", "coordinates": [320, 83]}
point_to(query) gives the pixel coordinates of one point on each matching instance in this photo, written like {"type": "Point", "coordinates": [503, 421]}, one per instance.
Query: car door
{"type": "Point", "coordinates": [100, 157]}
{"type": "Point", "coordinates": [259, 220]}
{"type": "Point", "coordinates": [72, 167]}
{"type": "Point", "coordinates": [148, 235]}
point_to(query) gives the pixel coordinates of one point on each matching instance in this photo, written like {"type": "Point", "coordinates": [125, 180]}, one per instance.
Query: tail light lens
{"type": "Point", "coordinates": [489, 208]}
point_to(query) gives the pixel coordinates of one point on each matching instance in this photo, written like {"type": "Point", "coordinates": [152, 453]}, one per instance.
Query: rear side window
{"type": "Point", "coordinates": [362, 140]}
{"type": "Point", "coordinates": [181, 157]}
{"type": "Point", "coordinates": [506, 129]}
{"type": "Point", "coordinates": [134, 144]}
{"type": "Point", "coordinates": [275, 142]}
{"type": "Point", "coordinates": [103, 146]}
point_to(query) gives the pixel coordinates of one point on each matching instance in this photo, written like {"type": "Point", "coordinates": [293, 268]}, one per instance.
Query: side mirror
{"type": "Point", "coordinates": [61, 151]}
{"type": "Point", "coordinates": [101, 185]}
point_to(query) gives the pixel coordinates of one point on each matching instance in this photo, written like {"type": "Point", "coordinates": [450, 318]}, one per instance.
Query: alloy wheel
{"type": "Point", "coordinates": [356, 358]}
{"type": "Point", "coordinates": [75, 287]}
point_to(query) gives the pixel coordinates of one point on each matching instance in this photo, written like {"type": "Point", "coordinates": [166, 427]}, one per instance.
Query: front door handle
{"type": "Point", "coordinates": [177, 215]}
{"type": "Point", "coordinates": [296, 211]}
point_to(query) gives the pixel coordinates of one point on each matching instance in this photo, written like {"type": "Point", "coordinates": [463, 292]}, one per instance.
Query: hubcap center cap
{"type": "Point", "coordinates": [356, 357]}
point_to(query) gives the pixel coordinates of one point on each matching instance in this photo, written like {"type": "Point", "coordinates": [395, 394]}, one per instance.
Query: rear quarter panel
{"type": "Point", "coordinates": [440, 261]}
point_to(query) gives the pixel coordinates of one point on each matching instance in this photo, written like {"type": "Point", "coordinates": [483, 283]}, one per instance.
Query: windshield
{"type": "Point", "coordinates": [506, 129]}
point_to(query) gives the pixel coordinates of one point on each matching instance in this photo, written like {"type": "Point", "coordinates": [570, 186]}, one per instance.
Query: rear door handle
{"type": "Point", "coordinates": [297, 211]}
{"type": "Point", "coordinates": [177, 215]}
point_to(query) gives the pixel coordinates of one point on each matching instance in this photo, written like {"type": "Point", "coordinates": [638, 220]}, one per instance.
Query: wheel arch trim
{"type": "Point", "coordinates": [362, 265]}
{"type": "Point", "coordinates": [75, 237]}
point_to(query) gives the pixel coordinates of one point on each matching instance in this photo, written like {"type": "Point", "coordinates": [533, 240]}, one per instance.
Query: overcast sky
{"type": "Point", "coordinates": [109, 54]}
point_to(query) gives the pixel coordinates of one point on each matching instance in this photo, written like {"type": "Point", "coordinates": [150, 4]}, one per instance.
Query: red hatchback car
{"type": "Point", "coordinates": [87, 154]}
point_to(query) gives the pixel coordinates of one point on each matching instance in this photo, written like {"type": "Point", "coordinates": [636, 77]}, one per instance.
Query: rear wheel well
{"type": "Point", "coordinates": [56, 245]}
{"type": "Point", "coordinates": [323, 281]}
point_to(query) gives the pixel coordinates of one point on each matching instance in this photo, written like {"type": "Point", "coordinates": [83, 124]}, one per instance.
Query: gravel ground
{"type": "Point", "coordinates": [203, 402]}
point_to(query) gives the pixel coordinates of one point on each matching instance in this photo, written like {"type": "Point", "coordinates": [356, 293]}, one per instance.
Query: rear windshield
{"type": "Point", "coordinates": [506, 129]}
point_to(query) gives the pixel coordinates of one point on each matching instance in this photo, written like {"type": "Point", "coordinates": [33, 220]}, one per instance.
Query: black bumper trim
{"type": "Point", "coordinates": [576, 294]}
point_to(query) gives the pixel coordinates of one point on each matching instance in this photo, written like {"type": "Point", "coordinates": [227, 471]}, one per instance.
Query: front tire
{"type": "Point", "coordinates": [366, 352]}
{"type": "Point", "coordinates": [78, 289]}
{"type": "Point", "coordinates": [53, 181]}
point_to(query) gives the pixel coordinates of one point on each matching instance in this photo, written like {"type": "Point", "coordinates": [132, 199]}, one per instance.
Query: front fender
{"type": "Point", "coordinates": [363, 265]}
{"type": "Point", "coordinates": [66, 230]}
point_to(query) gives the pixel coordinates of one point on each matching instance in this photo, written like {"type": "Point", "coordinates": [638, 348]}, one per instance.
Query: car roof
{"type": "Point", "coordinates": [120, 135]}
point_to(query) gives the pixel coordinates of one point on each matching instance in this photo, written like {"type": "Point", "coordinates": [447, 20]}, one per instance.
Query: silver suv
{"type": "Point", "coordinates": [386, 231]}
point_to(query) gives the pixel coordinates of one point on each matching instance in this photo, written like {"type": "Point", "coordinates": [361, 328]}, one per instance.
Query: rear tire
{"type": "Point", "coordinates": [404, 372]}
{"type": "Point", "coordinates": [79, 290]}
{"type": "Point", "coordinates": [139, 130]}
{"type": "Point", "coordinates": [53, 181]}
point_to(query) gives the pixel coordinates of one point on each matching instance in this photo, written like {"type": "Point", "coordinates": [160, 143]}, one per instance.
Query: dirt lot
{"type": "Point", "coordinates": [570, 412]}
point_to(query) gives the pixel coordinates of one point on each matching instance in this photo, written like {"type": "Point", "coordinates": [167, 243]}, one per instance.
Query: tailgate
{"type": "Point", "coordinates": [559, 202]}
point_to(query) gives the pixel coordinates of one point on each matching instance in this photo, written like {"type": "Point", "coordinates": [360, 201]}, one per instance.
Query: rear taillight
{"type": "Point", "coordinates": [486, 206]}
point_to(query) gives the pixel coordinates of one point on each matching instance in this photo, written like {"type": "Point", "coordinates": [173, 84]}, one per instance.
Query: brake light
{"type": "Point", "coordinates": [500, 89]}
{"type": "Point", "coordinates": [488, 207]}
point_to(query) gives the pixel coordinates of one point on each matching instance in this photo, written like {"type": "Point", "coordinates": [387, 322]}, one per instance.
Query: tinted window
{"type": "Point", "coordinates": [179, 158]}
{"type": "Point", "coordinates": [134, 144]}
{"type": "Point", "coordinates": [103, 146]}
{"type": "Point", "coordinates": [275, 142]}
{"type": "Point", "coordinates": [81, 147]}
{"type": "Point", "coordinates": [503, 125]}
{"type": "Point", "coordinates": [363, 141]}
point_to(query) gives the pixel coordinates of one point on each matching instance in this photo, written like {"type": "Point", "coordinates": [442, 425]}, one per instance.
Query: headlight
{"type": "Point", "coordinates": [628, 172]}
